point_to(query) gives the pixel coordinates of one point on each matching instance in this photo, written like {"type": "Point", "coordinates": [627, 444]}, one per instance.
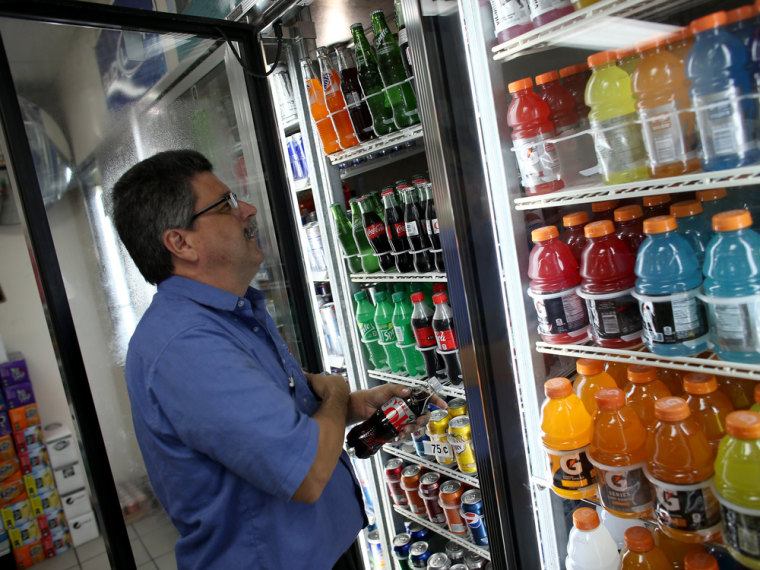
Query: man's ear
{"type": "Point", "coordinates": [175, 242]}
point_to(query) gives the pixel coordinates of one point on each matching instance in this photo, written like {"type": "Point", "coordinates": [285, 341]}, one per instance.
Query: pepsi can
{"type": "Point", "coordinates": [295, 164]}
{"type": "Point", "coordinates": [419, 438]}
{"type": "Point", "coordinates": [419, 554]}
{"type": "Point", "coordinates": [401, 544]}
{"type": "Point", "coordinates": [472, 511]}
{"type": "Point", "coordinates": [301, 154]}
{"type": "Point", "coordinates": [418, 532]}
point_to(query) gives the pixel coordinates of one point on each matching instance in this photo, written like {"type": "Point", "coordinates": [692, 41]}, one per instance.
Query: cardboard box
{"type": "Point", "coordinates": [12, 490]}
{"type": "Point", "coordinates": [75, 504]}
{"type": "Point", "coordinates": [46, 503]}
{"type": "Point", "coordinates": [5, 424]}
{"type": "Point", "coordinates": [55, 521]}
{"type": "Point", "coordinates": [33, 460]}
{"type": "Point", "coordinates": [60, 443]}
{"type": "Point", "coordinates": [17, 513]}
{"type": "Point", "coordinates": [24, 417]}
{"type": "Point", "coordinates": [25, 533]}
{"type": "Point", "coordinates": [13, 371]}
{"type": "Point", "coordinates": [69, 478]}
{"type": "Point", "coordinates": [7, 449]}
{"type": "Point", "coordinates": [30, 438]}
{"type": "Point", "coordinates": [29, 555]}
{"type": "Point", "coordinates": [39, 481]}
{"type": "Point", "coordinates": [18, 395]}
{"type": "Point", "coordinates": [83, 529]}
{"type": "Point", "coordinates": [57, 543]}
{"type": "Point", "coordinates": [8, 468]}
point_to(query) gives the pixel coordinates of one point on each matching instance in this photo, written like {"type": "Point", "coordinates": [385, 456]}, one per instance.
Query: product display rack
{"type": "Point", "coordinates": [479, 550]}
{"type": "Point", "coordinates": [446, 390]}
{"type": "Point", "coordinates": [393, 277]}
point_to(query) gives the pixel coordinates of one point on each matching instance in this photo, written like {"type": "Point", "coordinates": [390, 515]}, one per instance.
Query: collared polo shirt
{"type": "Point", "coordinates": [226, 440]}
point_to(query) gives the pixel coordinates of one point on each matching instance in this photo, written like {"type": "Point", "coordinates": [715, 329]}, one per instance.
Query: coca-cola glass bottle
{"type": "Point", "coordinates": [395, 228]}
{"type": "Point", "coordinates": [416, 234]}
{"type": "Point", "coordinates": [352, 93]}
{"type": "Point", "coordinates": [366, 438]}
{"type": "Point", "coordinates": [374, 228]}
{"type": "Point", "coordinates": [431, 225]}
{"type": "Point", "coordinates": [424, 336]}
{"type": "Point", "coordinates": [446, 338]}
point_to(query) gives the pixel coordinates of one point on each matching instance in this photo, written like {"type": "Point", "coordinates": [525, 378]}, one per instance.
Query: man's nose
{"type": "Point", "coordinates": [247, 210]}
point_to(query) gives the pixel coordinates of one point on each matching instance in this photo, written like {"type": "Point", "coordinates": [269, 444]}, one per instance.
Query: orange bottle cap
{"type": "Point", "coordinates": [740, 13]}
{"type": "Point", "coordinates": [757, 386]}
{"type": "Point", "coordinates": [660, 224]}
{"type": "Point", "coordinates": [575, 219]}
{"type": "Point", "coordinates": [714, 20]}
{"type": "Point", "coordinates": [598, 229]}
{"type": "Point", "coordinates": [556, 388]}
{"type": "Point", "coordinates": [671, 409]}
{"type": "Point", "coordinates": [641, 373]}
{"type": "Point", "coordinates": [544, 233]}
{"type": "Point", "coordinates": [685, 208]}
{"type": "Point", "coordinates": [653, 42]}
{"type": "Point", "coordinates": [638, 539]}
{"type": "Point", "coordinates": [589, 366]}
{"type": "Point", "coordinates": [604, 205]}
{"type": "Point", "coordinates": [520, 85]}
{"type": "Point", "coordinates": [699, 560]}
{"type": "Point", "coordinates": [698, 383]}
{"type": "Point", "coordinates": [656, 200]}
{"type": "Point", "coordinates": [743, 424]}
{"type": "Point", "coordinates": [628, 213]}
{"type": "Point", "coordinates": [585, 518]}
{"type": "Point", "coordinates": [609, 399]}
{"type": "Point", "coordinates": [573, 69]}
{"type": "Point", "coordinates": [711, 194]}
{"type": "Point", "coordinates": [680, 34]}
{"type": "Point", "coordinates": [547, 77]}
{"type": "Point", "coordinates": [601, 57]}
{"type": "Point", "coordinates": [625, 51]}
{"type": "Point", "coordinates": [731, 220]}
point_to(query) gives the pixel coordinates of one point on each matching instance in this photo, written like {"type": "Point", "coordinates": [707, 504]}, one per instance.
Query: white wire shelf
{"type": "Point", "coordinates": [479, 550]}
{"type": "Point", "coordinates": [375, 146]}
{"type": "Point", "coordinates": [745, 176]}
{"type": "Point", "coordinates": [397, 277]}
{"type": "Point", "coordinates": [470, 479]}
{"type": "Point", "coordinates": [709, 365]}
{"type": "Point", "coordinates": [453, 391]}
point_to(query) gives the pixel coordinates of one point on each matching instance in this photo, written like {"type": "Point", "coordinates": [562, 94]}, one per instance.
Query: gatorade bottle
{"type": "Point", "coordinates": [566, 429]}
{"type": "Point", "coordinates": [618, 452]}
{"type": "Point", "coordinates": [680, 42]}
{"type": "Point", "coordinates": [680, 467]}
{"type": "Point", "coordinates": [662, 101]}
{"type": "Point", "coordinates": [575, 77]}
{"type": "Point", "coordinates": [732, 287]}
{"type": "Point", "coordinates": [643, 391]}
{"type": "Point", "coordinates": [709, 406]}
{"type": "Point", "coordinates": [738, 390]}
{"type": "Point", "coordinates": [545, 11]}
{"type": "Point", "coordinates": [675, 550]}
{"type": "Point", "coordinates": [607, 280]}
{"type": "Point", "coordinates": [700, 560]}
{"type": "Point", "coordinates": [560, 100]}
{"type": "Point", "coordinates": [387, 335]}
{"type": "Point", "coordinates": [714, 201]}
{"type": "Point", "coordinates": [617, 526]}
{"type": "Point", "coordinates": [511, 18]}
{"type": "Point", "coordinates": [739, 23]}
{"type": "Point", "coordinates": [365, 318]}
{"type": "Point", "coordinates": [717, 66]}
{"type": "Point", "coordinates": [627, 58]}
{"type": "Point", "coordinates": [617, 135]}
{"type": "Point", "coordinates": [573, 235]}
{"type": "Point", "coordinates": [673, 379]}
{"type": "Point", "coordinates": [629, 221]}
{"type": "Point", "coordinates": [402, 325]}
{"type": "Point", "coordinates": [590, 545]}
{"type": "Point", "coordinates": [318, 108]}
{"type": "Point", "coordinates": [554, 278]}
{"type": "Point", "coordinates": [669, 276]}
{"type": "Point", "coordinates": [756, 406]}
{"type": "Point", "coordinates": [693, 226]}
{"type": "Point", "coordinates": [747, 198]}
{"type": "Point", "coordinates": [657, 205]}
{"type": "Point", "coordinates": [591, 378]}
{"type": "Point", "coordinates": [640, 553]}
{"type": "Point", "coordinates": [528, 115]}
{"type": "Point", "coordinates": [619, 372]}
{"type": "Point", "coordinates": [604, 210]}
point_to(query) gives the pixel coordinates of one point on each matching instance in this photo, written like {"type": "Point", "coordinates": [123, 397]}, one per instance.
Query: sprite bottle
{"type": "Point", "coordinates": [346, 238]}
{"type": "Point", "coordinates": [384, 324]}
{"type": "Point", "coordinates": [365, 319]}
{"type": "Point", "coordinates": [402, 324]}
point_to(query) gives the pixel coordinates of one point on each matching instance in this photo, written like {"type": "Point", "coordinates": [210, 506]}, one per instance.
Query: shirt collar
{"type": "Point", "coordinates": [208, 295]}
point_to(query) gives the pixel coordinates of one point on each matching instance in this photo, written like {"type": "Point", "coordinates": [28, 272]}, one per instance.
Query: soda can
{"type": "Point", "coordinates": [295, 163]}
{"type": "Point", "coordinates": [418, 532]}
{"type": "Point", "coordinates": [314, 236]}
{"type": "Point", "coordinates": [459, 566]}
{"type": "Point", "coordinates": [301, 154]}
{"type": "Point", "coordinates": [419, 438]}
{"type": "Point", "coordinates": [460, 439]}
{"type": "Point", "coordinates": [474, 561]}
{"type": "Point", "coordinates": [401, 545]}
{"type": "Point", "coordinates": [419, 554]}
{"type": "Point", "coordinates": [393, 469]}
{"type": "Point", "coordinates": [457, 407]}
{"type": "Point", "coordinates": [330, 321]}
{"type": "Point", "coordinates": [410, 483]}
{"type": "Point", "coordinates": [429, 488]}
{"type": "Point", "coordinates": [450, 496]}
{"type": "Point", "coordinates": [439, 561]}
{"type": "Point", "coordinates": [455, 552]}
{"type": "Point", "coordinates": [376, 549]}
{"type": "Point", "coordinates": [472, 510]}
{"type": "Point", "coordinates": [439, 439]}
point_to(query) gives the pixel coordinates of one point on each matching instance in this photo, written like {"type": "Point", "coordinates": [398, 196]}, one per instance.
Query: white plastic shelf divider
{"type": "Point", "coordinates": [376, 145]}
{"type": "Point", "coordinates": [745, 176]}
{"type": "Point", "coordinates": [395, 277]}
{"type": "Point", "coordinates": [454, 392]}
{"type": "Point", "coordinates": [469, 479]}
{"type": "Point", "coordinates": [709, 365]}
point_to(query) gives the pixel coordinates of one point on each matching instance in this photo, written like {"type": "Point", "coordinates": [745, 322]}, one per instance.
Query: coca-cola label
{"type": "Point", "coordinates": [425, 337]}
{"type": "Point", "coordinates": [373, 230]}
{"type": "Point", "coordinates": [447, 340]}
{"type": "Point", "coordinates": [398, 413]}
{"type": "Point", "coordinates": [400, 229]}
{"type": "Point", "coordinates": [434, 224]}
{"type": "Point", "coordinates": [411, 229]}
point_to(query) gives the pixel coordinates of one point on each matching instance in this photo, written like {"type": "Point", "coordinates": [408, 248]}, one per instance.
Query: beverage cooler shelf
{"type": "Point", "coordinates": [745, 176]}
{"type": "Point", "coordinates": [581, 20]}
{"type": "Point", "coordinates": [479, 550]}
{"type": "Point", "coordinates": [708, 365]}
{"type": "Point", "coordinates": [438, 468]}
{"type": "Point", "coordinates": [414, 383]}
{"type": "Point", "coordinates": [369, 149]}
{"type": "Point", "coordinates": [397, 277]}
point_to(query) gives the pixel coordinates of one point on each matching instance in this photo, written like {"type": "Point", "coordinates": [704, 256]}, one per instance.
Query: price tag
{"type": "Point", "coordinates": [435, 384]}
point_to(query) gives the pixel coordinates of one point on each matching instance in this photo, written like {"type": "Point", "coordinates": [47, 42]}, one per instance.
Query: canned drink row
{"type": "Point", "coordinates": [418, 548]}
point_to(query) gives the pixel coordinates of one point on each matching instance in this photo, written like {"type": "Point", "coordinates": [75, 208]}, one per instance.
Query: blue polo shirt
{"type": "Point", "coordinates": [225, 441]}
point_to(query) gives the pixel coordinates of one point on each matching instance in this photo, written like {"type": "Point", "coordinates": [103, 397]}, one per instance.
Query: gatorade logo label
{"type": "Point", "coordinates": [741, 529]}
{"type": "Point", "coordinates": [425, 337]}
{"type": "Point", "coordinates": [446, 340]}
{"type": "Point", "coordinates": [688, 508]}
{"type": "Point", "coordinates": [676, 319]}
{"type": "Point", "coordinates": [374, 230]}
{"type": "Point", "coordinates": [398, 413]}
{"type": "Point", "coordinates": [571, 470]}
{"type": "Point", "coordinates": [624, 488]}
{"type": "Point", "coordinates": [537, 160]}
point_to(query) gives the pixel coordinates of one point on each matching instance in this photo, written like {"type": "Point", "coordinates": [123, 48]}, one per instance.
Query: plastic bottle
{"type": "Point", "coordinates": [575, 77]}
{"type": "Point", "coordinates": [732, 287]}
{"type": "Point", "coordinates": [618, 371]}
{"type": "Point", "coordinates": [395, 229]}
{"type": "Point", "coordinates": [737, 485]}
{"type": "Point", "coordinates": [416, 234]}
{"type": "Point", "coordinates": [402, 325]}
{"type": "Point", "coordinates": [617, 136]}
{"type": "Point", "coordinates": [446, 338]}
{"type": "Point", "coordinates": [618, 452]}
{"type": "Point", "coordinates": [700, 560]}
{"type": "Point", "coordinates": [739, 23]}
{"type": "Point", "coordinates": [591, 378]}
{"type": "Point", "coordinates": [709, 406]}
{"type": "Point", "coordinates": [680, 467]}
{"type": "Point", "coordinates": [335, 101]}
{"type": "Point", "coordinates": [714, 201]}
{"type": "Point", "coordinates": [640, 552]}
{"type": "Point", "coordinates": [578, 4]}
{"type": "Point", "coordinates": [545, 11]}
{"type": "Point", "coordinates": [374, 229]}
{"type": "Point", "coordinates": [554, 277]}
{"type": "Point", "coordinates": [604, 210]}
{"type": "Point", "coordinates": [629, 224]}
{"type": "Point", "coordinates": [369, 261]}
{"type": "Point", "coordinates": [627, 58]}
{"type": "Point", "coordinates": [607, 280]}
{"type": "Point", "coordinates": [528, 115]}
{"type": "Point", "coordinates": [617, 525]}
{"type": "Point", "coordinates": [511, 18]}
{"type": "Point", "coordinates": [669, 276]}
{"type": "Point", "coordinates": [346, 238]}
{"type": "Point", "coordinates": [680, 42]}
{"type": "Point", "coordinates": [693, 226]}
{"type": "Point", "coordinates": [590, 545]}
{"type": "Point", "coordinates": [566, 430]}
{"type": "Point", "coordinates": [756, 406]}
{"type": "Point", "coordinates": [573, 235]}
{"type": "Point", "coordinates": [717, 68]}
{"type": "Point", "coordinates": [662, 102]}
{"type": "Point", "coordinates": [424, 336]}
{"type": "Point", "coordinates": [352, 93]}
{"type": "Point", "coordinates": [643, 391]}
{"type": "Point", "coordinates": [738, 390]}
{"type": "Point", "coordinates": [318, 108]}
{"type": "Point", "coordinates": [675, 550]}
{"type": "Point", "coordinates": [365, 319]}
{"type": "Point", "coordinates": [657, 205]}
{"type": "Point", "coordinates": [387, 334]}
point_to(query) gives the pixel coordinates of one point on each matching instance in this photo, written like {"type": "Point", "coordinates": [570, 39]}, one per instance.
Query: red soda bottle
{"type": "Point", "coordinates": [629, 221]}
{"type": "Point", "coordinates": [573, 235]}
{"type": "Point", "coordinates": [446, 338]}
{"type": "Point", "coordinates": [424, 337]}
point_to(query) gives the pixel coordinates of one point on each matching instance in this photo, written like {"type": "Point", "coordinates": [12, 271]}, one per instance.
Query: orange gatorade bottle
{"type": "Point", "coordinates": [566, 429]}
{"type": "Point", "coordinates": [640, 552]}
{"type": "Point", "coordinates": [673, 379]}
{"type": "Point", "coordinates": [700, 560]}
{"type": "Point", "coordinates": [618, 452]}
{"type": "Point", "coordinates": [680, 467]}
{"type": "Point", "coordinates": [708, 405]}
{"type": "Point", "coordinates": [674, 549]}
{"type": "Point", "coordinates": [738, 390]}
{"type": "Point", "coordinates": [642, 391]}
{"type": "Point", "coordinates": [756, 406]}
{"type": "Point", "coordinates": [591, 377]}
{"type": "Point", "coordinates": [618, 371]}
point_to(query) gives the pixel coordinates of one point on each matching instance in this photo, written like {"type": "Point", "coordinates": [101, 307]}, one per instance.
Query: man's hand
{"type": "Point", "coordinates": [323, 384]}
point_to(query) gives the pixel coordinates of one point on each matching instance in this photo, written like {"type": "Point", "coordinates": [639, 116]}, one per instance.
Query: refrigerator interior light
{"type": "Point", "coordinates": [611, 32]}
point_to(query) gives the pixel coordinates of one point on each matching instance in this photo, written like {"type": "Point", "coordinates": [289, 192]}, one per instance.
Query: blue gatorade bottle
{"type": "Point", "coordinates": [667, 285]}
{"type": "Point", "coordinates": [732, 287]}
{"type": "Point", "coordinates": [721, 94]}
{"type": "Point", "coordinates": [693, 225]}
{"type": "Point", "coordinates": [714, 201]}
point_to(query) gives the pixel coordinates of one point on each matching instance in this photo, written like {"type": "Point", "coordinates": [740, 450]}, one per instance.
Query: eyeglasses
{"type": "Point", "coordinates": [229, 197]}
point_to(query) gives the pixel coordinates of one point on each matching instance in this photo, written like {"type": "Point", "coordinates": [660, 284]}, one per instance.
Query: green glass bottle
{"type": "Point", "coordinates": [402, 324]}
{"type": "Point", "coordinates": [387, 334]}
{"type": "Point", "coordinates": [365, 319]}
{"type": "Point", "coordinates": [346, 238]}
{"type": "Point", "coordinates": [370, 264]}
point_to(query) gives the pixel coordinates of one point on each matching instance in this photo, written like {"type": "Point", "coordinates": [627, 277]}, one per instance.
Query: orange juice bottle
{"type": "Point", "coordinates": [640, 552]}
{"type": "Point", "coordinates": [318, 108]}
{"type": "Point", "coordinates": [642, 391]}
{"type": "Point", "coordinates": [708, 405]}
{"type": "Point", "coordinates": [591, 377]}
{"type": "Point", "coordinates": [680, 467]}
{"type": "Point", "coordinates": [566, 429]}
{"type": "Point", "coordinates": [618, 452]}
{"type": "Point", "coordinates": [699, 560]}
{"type": "Point", "coordinates": [618, 371]}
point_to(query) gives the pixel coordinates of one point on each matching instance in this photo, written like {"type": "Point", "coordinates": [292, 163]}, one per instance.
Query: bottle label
{"type": "Point", "coordinates": [368, 331]}
{"type": "Point", "coordinates": [374, 230]}
{"type": "Point", "coordinates": [352, 98]}
{"type": "Point", "coordinates": [401, 229]}
{"type": "Point", "coordinates": [667, 131]}
{"type": "Point", "coordinates": [624, 489]}
{"type": "Point", "coordinates": [440, 448]}
{"type": "Point", "coordinates": [741, 528]}
{"type": "Point", "coordinates": [670, 319]}
{"type": "Point", "coordinates": [434, 224]}
{"type": "Point", "coordinates": [688, 508]}
{"type": "Point", "coordinates": [330, 83]}
{"type": "Point", "coordinates": [446, 340]}
{"type": "Point", "coordinates": [724, 122]}
{"type": "Point", "coordinates": [539, 7]}
{"type": "Point", "coordinates": [387, 334]}
{"type": "Point", "coordinates": [571, 470]}
{"type": "Point", "coordinates": [613, 315]}
{"type": "Point", "coordinates": [398, 413]}
{"type": "Point", "coordinates": [560, 313]}
{"type": "Point", "coordinates": [537, 160]}
{"type": "Point", "coordinates": [402, 37]}
{"type": "Point", "coordinates": [425, 337]}
{"type": "Point", "coordinates": [619, 145]}
{"type": "Point", "coordinates": [401, 336]}
{"type": "Point", "coordinates": [734, 322]}
{"type": "Point", "coordinates": [411, 229]}
{"type": "Point", "coordinates": [509, 13]}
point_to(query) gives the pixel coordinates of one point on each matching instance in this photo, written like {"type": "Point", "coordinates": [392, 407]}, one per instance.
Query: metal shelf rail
{"type": "Point", "coordinates": [397, 277]}
{"type": "Point", "coordinates": [453, 391]}
{"type": "Point", "coordinates": [470, 480]}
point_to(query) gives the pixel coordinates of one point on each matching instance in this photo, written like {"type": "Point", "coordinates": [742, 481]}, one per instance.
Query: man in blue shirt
{"type": "Point", "coordinates": [243, 449]}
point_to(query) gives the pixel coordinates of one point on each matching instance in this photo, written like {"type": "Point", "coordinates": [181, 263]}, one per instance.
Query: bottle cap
{"type": "Point", "coordinates": [575, 219]}
{"type": "Point", "coordinates": [589, 366]}
{"type": "Point", "coordinates": [641, 373]}
{"type": "Point", "coordinates": [573, 69]}
{"type": "Point", "coordinates": [660, 224]}
{"type": "Point", "coordinates": [711, 194]}
{"type": "Point", "coordinates": [547, 77]}
{"type": "Point", "coordinates": [417, 297]}
{"type": "Point", "coordinates": [628, 213]}
{"type": "Point", "coordinates": [731, 220]}
{"type": "Point", "coordinates": [380, 296]}
{"type": "Point", "coordinates": [398, 296]}
{"type": "Point", "coordinates": [386, 192]}
{"type": "Point", "coordinates": [357, 25]}
{"type": "Point", "coordinates": [671, 409]}
{"type": "Point", "coordinates": [651, 43]}
{"type": "Point", "coordinates": [714, 20]}
{"type": "Point", "coordinates": [740, 13]}
{"type": "Point", "coordinates": [698, 383]}
{"type": "Point", "coordinates": [743, 424]}
{"type": "Point", "coordinates": [609, 399]}
{"type": "Point", "coordinates": [373, 12]}
{"type": "Point", "coordinates": [360, 295]}
{"type": "Point", "coordinates": [601, 57]}
{"type": "Point", "coordinates": [638, 539]}
{"type": "Point", "coordinates": [520, 85]}
{"type": "Point", "coordinates": [623, 52]}
{"type": "Point", "coordinates": [685, 208]}
{"type": "Point", "coordinates": [598, 229]}
{"type": "Point", "coordinates": [680, 34]}
{"type": "Point", "coordinates": [585, 519]}
{"type": "Point", "coordinates": [604, 205]}
{"type": "Point", "coordinates": [700, 560]}
{"type": "Point", "coordinates": [656, 200]}
{"type": "Point", "coordinates": [544, 233]}
{"type": "Point", "coordinates": [556, 388]}
{"type": "Point", "coordinates": [438, 287]}
{"type": "Point", "coordinates": [439, 298]}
